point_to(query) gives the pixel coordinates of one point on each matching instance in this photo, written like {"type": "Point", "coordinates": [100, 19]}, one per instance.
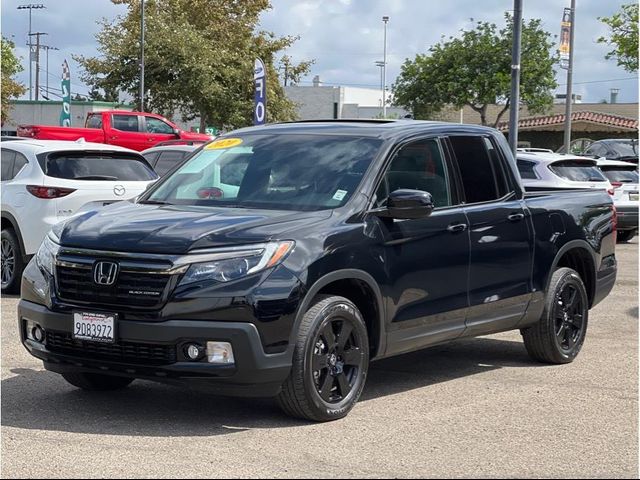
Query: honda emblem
{"type": "Point", "coordinates": [105, 273]}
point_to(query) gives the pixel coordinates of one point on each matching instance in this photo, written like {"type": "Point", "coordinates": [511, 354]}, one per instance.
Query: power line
{"type": "Point", "coordinates": [602, 81]}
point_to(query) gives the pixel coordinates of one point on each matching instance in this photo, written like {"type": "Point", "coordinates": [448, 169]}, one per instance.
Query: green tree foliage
{"type": "Point", "coordinates": [10, 88]}
{"type": "Point", "coordinates": [623, 37]}
{"type": "Point", "coordinates": [475, 70]}
{"type": "Point", "coordinates": [199, 58]}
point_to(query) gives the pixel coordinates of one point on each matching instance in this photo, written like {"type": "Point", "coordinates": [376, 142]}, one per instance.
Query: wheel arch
{"type": "Point", "coordinates": [362, 289]}
{"type": "Point", "coordinates": [579, 256]}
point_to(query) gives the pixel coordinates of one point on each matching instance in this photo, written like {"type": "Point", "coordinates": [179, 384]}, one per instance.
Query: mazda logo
{"type": "Point", "coordinates": [105, 273]}
{"type": "Point", "coordinates": [119, 190]}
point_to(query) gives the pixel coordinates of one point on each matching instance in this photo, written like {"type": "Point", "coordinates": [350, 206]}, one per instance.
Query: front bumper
{"type": "Point", "coordinates": [255, 374]}
{"type": "Point", "coordinates": [627, 217]}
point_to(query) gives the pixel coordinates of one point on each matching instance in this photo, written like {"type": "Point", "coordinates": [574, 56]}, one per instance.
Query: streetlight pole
{"type": "Point", "coordinates": [380, 64]}
{"type": "Point", "coordinates": [142, 55]}
{"type": "Point", "coordinates": [514, 99]}
{"type": "Point", "coordinates": [569, 97]}
{"type": "Point", "coordinates": [30, 7]}
{"type": "Point", "coordinates": [47, 48]}
{"type": "Point", "coordinates": [385, 19]}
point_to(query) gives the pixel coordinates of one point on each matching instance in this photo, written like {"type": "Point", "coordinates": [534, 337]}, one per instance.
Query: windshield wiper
{"type": "Point", "coordinates": [155, 202]}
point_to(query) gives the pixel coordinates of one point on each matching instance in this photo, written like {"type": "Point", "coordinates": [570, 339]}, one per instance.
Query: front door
{"type": "Point", "coordinates": [426, 259]}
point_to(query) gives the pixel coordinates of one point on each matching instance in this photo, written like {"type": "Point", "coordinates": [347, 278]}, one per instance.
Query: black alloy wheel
{"type": "Point", "coordinates": [569, 315]}
{"type": "Point", "coordinates": [11, 262]}
{"type": "Point", "coordinates": [336, 360]}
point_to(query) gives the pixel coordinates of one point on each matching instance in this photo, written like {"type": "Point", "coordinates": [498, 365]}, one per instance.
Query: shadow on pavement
{"type": "Point", "coordinates": [36, 399]}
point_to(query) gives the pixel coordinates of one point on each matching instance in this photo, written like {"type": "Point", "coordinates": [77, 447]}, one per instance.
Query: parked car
{"type": "Point", "coordinates": [343, 242]}
{"type": "Point", "coordinates": [133, 130]}
{"type": "Point", "coordinates": [543, 171]}
{"type": "Point", "coordinates": [164, 157]}
{"type": "Point", "coordinates": [614, 149]}
{"type": "Point", "coordinates": [44, 182]}
{"type": "Point", "coordinates": [624, 180]}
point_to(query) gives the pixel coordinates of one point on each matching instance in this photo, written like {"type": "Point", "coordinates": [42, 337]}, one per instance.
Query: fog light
{"type": "Point", "coordinates": [220, 353]}
{"type": "Point", "coordinates": [34, 332]}
{"type": "Point", "coordinates": [193, 351]}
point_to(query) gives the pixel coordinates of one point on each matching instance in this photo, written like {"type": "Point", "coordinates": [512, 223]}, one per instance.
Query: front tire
{"type": "Point", "coordinates": [559, 335]}
{"type": "Point", "coordinates": [95, 382]}
{"type": "Point", "coordinates": [11, 261]}
{"type": "Point", "coordinates": [330, 362]}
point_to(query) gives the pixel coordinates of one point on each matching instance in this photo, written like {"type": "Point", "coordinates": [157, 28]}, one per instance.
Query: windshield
{"type": "Point", "coordinates": [271, 171]}
{"type": "Point", "coordinates": [577, 171]}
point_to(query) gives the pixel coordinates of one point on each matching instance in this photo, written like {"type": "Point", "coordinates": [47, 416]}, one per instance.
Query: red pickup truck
{"type": "Point", "coordinates": [134, 130]}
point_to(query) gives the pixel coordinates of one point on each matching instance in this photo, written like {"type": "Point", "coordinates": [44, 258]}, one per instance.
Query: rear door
{"type": "Point", "coordinates": [127, 131]}
{"type": "Point", "coordinates": [500, 235]}
{"type": "Point", "coordinates": [96, 178]}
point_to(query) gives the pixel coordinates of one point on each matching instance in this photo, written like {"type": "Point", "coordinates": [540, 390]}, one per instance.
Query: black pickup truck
{"type": "Point", "coordinates": [281, 260]}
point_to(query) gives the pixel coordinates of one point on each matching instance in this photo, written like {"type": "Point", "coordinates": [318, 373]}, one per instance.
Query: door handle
{"type": "Point", "coordinates": [516, 217]}
{"type": "Point", "coordinates": [457, 227]}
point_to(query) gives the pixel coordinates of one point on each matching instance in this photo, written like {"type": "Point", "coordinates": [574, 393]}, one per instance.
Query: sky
{"type": "Point", "coordinates": [344, 37]}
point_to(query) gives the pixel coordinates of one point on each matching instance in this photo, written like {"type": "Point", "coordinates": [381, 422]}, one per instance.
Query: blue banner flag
{"type": "Point", "coordinates": [260, 96]}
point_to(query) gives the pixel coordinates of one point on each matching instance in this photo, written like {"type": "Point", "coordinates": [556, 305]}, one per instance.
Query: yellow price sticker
{"type": "Point", "coordinates": [224, 143]}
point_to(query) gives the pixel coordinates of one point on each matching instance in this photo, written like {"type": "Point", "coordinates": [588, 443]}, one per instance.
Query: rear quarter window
{"type": "Point", "coordinates": [96, 167]}
{"type": "Point", "coordinates": [620, 174]}
{"type": "Point", "coordinates": [527, 170]}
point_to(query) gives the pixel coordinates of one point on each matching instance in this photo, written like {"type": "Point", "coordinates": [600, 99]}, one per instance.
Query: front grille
{"type": "Point", "coordinates": [131, 289]}
{"type": "Point", "coordinates": [126, 352]}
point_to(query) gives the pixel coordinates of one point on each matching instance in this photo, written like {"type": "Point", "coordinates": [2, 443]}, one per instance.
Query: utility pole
{"type": "Point", "coordinates": [30, 7]}
{"type": "Point", "coordinates": [142, 55]}
{"type": "Point", "coordinates": [380, 64]}
{"type": "Point", "coordinates": [47, 48]}
{"type": "Point", "coordinates": [514, 99]}
{"type": "Point", "coordinates": [385, 19]}
{"type": "Point", "coordinates": [569, 97]}
{"type": "Point", "coordinates": [38, 35]}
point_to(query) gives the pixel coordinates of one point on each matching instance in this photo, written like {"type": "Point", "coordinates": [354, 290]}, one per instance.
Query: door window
{"type": "Point", "coordinates": [418, 166]}
{"type": "Point", "coordinates": [126, 123]}
{"type": "Point", "coordinates": [155, 125]}
{"type": "Point", "coordinates": [481, 170]}
{"type": "Point", "coordinates": [168, 160]}
{"type": "Point", "coordinates": [7, 165]}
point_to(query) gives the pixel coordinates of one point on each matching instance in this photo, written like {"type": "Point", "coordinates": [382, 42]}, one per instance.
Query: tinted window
{"type": "Point", "coordinates": [168, 160]}
{"type": "Point", "coordinates": [597, 149]}
{"type": "Point", "coordinates": [126, 123]}
{"type": "Point", "coordinates": [283, 171]}
{"type": "Point", "coordinates": [417, 166]}
{"type": "Point", "coordinates": [625, 148]}
{"type": "Point", "coordinates": [526, 169]}
{"type": "Point", "coordinates": [157, 126]}
{"type": "Point", "coordinates": [617, 174]}
{"type": "Point", "coordinates": [19, 162]}
{"type": "Point", "coordinates": [7, 164]}
{"type": "Point", "coordinates": [482, 175]}
{"type": "Point", "coordinates": [94, 121]}
{"type": "Point", "coordinates": [578, 171]}
{"type": "Point", "coordinates": [96, 167]}
{"type": "Point", "coordinates": [151, 157]}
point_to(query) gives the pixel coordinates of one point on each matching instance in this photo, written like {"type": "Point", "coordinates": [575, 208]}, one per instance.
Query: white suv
{"type": "Point", "coordinates": [44, 182]}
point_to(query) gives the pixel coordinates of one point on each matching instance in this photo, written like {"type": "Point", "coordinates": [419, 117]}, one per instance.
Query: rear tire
{"type": "Point", "coordinates": [95, 382]}
{"type": "Point", "coordinates": [330, 362]}
{"type": "Point", "coordinates": [626, 235]}
{"type": "Point", "coordinates": [11, 260]}
{"type": "Point", "coordinates": [559, 335]}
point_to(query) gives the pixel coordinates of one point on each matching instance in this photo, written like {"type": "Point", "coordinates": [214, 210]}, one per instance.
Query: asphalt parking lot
{"type": "Point", "coordinates": [477, 408]}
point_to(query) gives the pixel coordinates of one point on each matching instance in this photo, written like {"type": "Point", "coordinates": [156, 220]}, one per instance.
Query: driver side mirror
{"type": "Point", "coordinates": [408, 204]}
{"type": "Point", "coordinates": [176, 132]}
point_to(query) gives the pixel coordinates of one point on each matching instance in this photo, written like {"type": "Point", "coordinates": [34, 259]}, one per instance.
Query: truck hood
{"type": "Point", "coordinates": [173, 229]}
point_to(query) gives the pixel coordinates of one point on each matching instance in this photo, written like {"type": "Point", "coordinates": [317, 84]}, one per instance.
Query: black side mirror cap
{"type": "Point", "coordinates": [407, 204]}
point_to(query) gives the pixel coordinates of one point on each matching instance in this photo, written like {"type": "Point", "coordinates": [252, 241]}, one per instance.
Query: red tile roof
{"type": "Point", "coordinates": [598, 118]}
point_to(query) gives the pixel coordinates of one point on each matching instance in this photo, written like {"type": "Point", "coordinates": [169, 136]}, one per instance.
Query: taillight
{"type": "Point", "coordinates": [49, 192]}
{"type": "Point", "coordinates": [616, 184]}
{"type": "Point", "coordinates": [210, 192]}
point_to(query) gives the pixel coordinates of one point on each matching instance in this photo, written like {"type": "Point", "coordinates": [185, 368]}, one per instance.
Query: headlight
{"type": "Point", "coordinates": [46, 256]}
{"type": "Point", "coordinates": [227, 265]}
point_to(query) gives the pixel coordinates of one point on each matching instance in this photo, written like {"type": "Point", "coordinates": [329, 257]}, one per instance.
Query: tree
{"type": "Point", "coordinates": [199, 58]}
{"type": "Point", "coordinates": [10, 88]}
{"type": "Point", "coordinates": [623, 37]}
{"type": "Point", "coordinates": [475, 70]}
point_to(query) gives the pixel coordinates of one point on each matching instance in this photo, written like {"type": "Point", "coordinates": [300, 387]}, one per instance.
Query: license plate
{"type": "Point", "coordinates": [94, 327]}
{"type": "Point", "coordinates": [634, 197]}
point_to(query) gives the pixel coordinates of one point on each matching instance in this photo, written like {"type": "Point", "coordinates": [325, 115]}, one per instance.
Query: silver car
{"type": "Point", "coordinates": [548, 171]}
{"type": "Point", "coordinates": [624, 180]}
{"type": "Point", "coordinates": [164, 156]}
